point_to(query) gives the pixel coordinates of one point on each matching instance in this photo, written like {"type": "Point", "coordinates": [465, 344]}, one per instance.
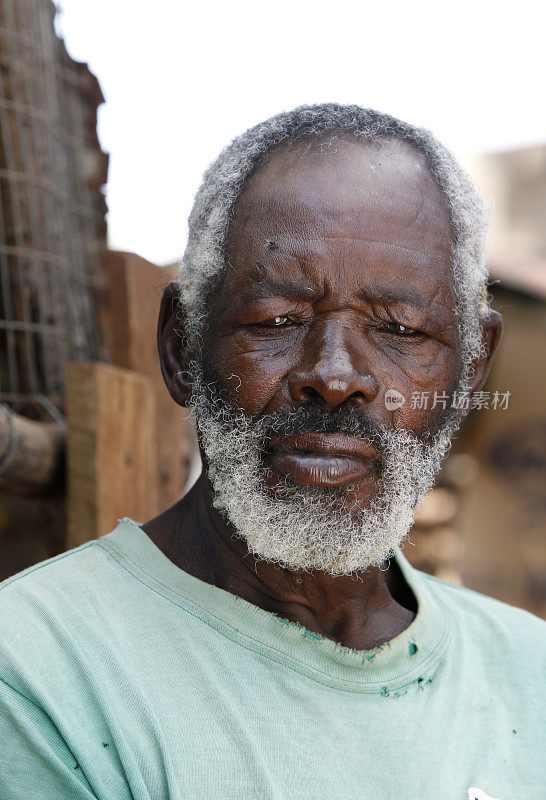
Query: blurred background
{"type": "Point", "coordinates": [109, 112]}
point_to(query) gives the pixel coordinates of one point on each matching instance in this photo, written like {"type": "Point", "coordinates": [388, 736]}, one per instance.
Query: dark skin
{"type": "Point", "coordinates": [338, 288]}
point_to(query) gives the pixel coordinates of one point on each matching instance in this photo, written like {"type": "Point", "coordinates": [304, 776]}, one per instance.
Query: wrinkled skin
{"type": "Point", "coordinates": [338, 289]}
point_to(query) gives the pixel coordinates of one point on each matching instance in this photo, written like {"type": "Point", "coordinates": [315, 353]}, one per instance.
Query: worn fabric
{"type": "Point", "coordinates": [125, 678]}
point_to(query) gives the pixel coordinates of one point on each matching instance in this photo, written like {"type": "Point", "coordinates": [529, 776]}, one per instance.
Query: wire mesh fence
{"type": "Point", "coordinates": [52, 209]}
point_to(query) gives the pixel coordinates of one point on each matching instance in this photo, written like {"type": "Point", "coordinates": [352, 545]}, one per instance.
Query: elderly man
{"type": "Point", "coordinates": [265, 637]}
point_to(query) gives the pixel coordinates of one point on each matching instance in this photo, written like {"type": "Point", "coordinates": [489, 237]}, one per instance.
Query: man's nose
{"type": "Point", "coordinates": [333, 373]}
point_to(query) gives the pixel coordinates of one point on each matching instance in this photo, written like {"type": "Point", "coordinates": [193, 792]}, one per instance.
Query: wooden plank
{"type": "Point", "coordinates": [129, 311]}
{"type": "Point", "coordinates": [111, 449]}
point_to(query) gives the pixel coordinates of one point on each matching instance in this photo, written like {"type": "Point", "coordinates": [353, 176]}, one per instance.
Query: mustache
{"type": "Point", "coordinates": [311, 418]}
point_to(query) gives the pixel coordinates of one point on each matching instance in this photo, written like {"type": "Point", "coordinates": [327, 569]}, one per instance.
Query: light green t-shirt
{"type": "Point", "coordinates": [125, 678]}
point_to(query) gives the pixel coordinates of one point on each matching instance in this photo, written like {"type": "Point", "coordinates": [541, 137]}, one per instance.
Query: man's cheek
{"type": "Point", "coordinates": [255, 383]}
{"type": "Point", "coordinates": [424, 377]}
{"type": "Point", "coordinates": [419, 406]}
{"type": "Point", "coordinates": [423, 413]}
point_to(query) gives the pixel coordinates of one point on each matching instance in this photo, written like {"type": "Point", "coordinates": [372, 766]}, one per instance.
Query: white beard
{"type": "Point", "coordinates": [310, 527]}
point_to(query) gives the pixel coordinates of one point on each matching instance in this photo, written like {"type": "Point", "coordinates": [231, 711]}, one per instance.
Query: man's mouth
{"type": "Point", "coordinates": [323, 459]}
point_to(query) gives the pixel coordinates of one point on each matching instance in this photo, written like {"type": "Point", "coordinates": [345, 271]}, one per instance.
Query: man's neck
{"type": "Point", "coordinates": [360, 612]}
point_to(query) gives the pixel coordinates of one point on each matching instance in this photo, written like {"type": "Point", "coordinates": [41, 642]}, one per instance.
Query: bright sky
{"type": "Point", "coordinates": [181, 78]}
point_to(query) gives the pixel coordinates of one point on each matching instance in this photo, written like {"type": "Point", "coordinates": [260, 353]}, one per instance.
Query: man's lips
{"type": "Point", "coordinates": [323, 459]}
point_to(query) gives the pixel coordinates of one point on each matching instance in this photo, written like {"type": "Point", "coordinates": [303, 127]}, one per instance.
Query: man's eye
{"type": "Point", "coordinates": [266, 326]}
{"type": "Point", "coordinates": [401, 330]}
{"type": "Point", "coordinates": [277, 322]}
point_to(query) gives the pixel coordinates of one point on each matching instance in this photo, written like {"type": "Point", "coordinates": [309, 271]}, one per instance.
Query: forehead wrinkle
{"type": "Point", "coordinates": [268, 287]}
{"type": "Point", "coordinates": [394, 295]}
{"type": "Point", "coordinates": [300, 240]}
{"type": "Point", "coordinates": [334, 210]}
{"type": "Point", "coordinates": [302, 235]}
{"type": "Point", "coordinates": [299, 274]}
{"type": "Point", "coordinates": [268, 277]}
{"type": "Point", "coordinates": [373, 241]}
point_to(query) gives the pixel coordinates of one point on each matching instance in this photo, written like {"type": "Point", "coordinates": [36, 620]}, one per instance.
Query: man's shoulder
{"type": "Point", "coordinates": [56, 589]}
{"type": "Point", "coordinates": [492, 626]}
{"type": "Point", "coordinates": [60, 605]}
{"type": "Point", "coordinates": [54, 572]}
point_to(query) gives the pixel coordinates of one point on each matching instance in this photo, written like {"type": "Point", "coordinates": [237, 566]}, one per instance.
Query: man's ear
{"type": "Point", "coordinates": [492, 329]}
{"type": "Point", "coordinates": [174, 354]}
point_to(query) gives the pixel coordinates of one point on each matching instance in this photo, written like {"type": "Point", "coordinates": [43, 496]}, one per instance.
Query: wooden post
{"type": "Point", "coordinates": [129, 311]}
{"type": "Point", "coordinates": [111, 449]}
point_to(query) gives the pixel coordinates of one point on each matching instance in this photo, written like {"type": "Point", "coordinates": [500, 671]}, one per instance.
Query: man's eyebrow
{"type": "Point", "coordinates": [297, 289]}
{"type": "Point", "coordinates": [267, 287]}
{"type": "Point", "coordinates": [390, 294]}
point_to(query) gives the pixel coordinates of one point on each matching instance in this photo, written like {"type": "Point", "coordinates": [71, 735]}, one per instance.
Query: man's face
{"type": "Point", "coordinates": [338, 290]}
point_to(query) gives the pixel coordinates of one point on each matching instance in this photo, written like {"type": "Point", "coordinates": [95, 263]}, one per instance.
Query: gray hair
{"type": "Point", "coordinates": [204, 259]}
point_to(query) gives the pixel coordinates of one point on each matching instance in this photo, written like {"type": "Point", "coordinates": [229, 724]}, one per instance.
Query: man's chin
{"type": "Point", "coordinates": [334, 529]}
